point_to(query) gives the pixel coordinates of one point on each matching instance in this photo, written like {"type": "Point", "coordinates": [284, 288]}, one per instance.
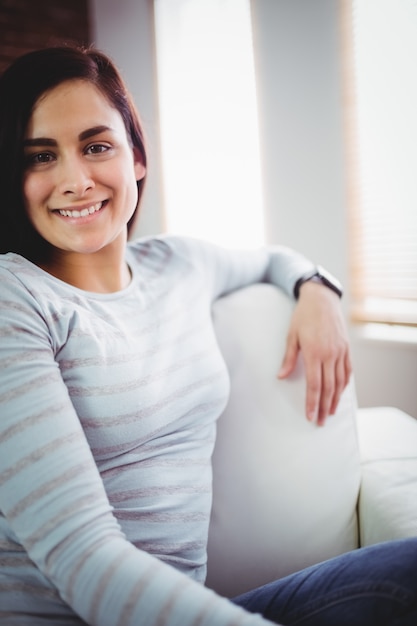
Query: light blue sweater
{"type": "Point", "coordinates": [108, 405]}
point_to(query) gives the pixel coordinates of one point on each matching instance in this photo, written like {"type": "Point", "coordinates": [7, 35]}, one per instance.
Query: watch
{"type": "Point", "coordinates": [319, 275]}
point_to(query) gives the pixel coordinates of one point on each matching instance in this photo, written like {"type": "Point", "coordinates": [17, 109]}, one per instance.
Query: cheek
{"type": "Point", "coordinates": [34, 192]}
{"type": "Point", "coordinates": [31, 191]}
{"type": "Point", "coordinates": [125, 182]}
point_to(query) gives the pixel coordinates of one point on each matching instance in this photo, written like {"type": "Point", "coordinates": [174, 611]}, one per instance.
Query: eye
{"type": "Point", "coordinates": [39, 158]}
{"type": "Point", "coordinates": [97, 148]}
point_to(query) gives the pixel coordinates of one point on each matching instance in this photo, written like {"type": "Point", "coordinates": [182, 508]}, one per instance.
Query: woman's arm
{"type": "Point", "coordinates": [317, 329]}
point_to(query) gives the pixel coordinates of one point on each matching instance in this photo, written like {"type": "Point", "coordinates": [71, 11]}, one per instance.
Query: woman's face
{"type": "Point", "coordinates": [79, 182]}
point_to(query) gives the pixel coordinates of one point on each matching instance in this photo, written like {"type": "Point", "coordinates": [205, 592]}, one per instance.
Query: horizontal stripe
{"type": "Point", "coordinates": [30, 421]}
{"type": "Point", "coordinates": [47, 487]}
{"type": "Point", "coordinates": [38, 454]}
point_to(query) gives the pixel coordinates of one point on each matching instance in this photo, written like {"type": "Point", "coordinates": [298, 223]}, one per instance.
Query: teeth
{"type": "Point", "coordinates": [83, 213]}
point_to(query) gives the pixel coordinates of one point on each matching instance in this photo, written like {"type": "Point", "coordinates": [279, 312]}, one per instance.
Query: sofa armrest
{"type": "Point", "coordinates": [388, 495]}
{"type": "Point", "coordinates": [284, 490]}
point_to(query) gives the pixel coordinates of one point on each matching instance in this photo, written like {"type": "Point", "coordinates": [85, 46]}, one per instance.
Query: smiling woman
{"type": "Point", "coordinates": [98, 76]}
{"type": "Point", "coordinates": [112, 379]}
{"type": "Point", "coordinates": [80, 180]}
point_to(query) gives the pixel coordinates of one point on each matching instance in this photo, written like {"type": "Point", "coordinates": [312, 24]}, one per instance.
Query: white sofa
{"type": "Point", "coordinates": [286, 492]}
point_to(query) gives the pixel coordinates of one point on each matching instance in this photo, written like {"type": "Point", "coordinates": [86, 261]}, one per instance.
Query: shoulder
{"type": "Point", "coordinates": [27, 288]}
{"type": "Point", "coordinates": [163, 242]}
{"type": "Point", "coordinates": [169, 249]}
{"type": "Point", "coordinates": [22, 309]}
{"type": "Point", "coordinates": [16, 272]}
{"type": "Point", "coordinates": [11, 262]}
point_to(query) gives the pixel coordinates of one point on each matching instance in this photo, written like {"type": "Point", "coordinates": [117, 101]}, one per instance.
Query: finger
{"type": "Point", "coordinates": [327, 392]}
{"type": "Point", "coordinates": [314, 382]}
{"type": "Point", "coordinates": [290, 358]}
{"type": "Point", "coordinates": [348, 366]}
{"type": "Point", "coordinates": [343, 373]}
{"type": "Point", "coordinates": [340, 383]}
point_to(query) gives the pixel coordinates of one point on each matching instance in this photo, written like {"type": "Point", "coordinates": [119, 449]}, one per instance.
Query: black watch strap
{"type": "Point", "coordinates": [319, 274]}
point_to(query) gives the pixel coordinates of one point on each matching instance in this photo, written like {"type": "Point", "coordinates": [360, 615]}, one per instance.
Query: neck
{"type": "Point", "coordinates": [99, 272]}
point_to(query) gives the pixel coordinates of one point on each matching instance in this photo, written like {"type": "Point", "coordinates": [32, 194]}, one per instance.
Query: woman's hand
{"type": "Point", "coordinates": [318, 329]}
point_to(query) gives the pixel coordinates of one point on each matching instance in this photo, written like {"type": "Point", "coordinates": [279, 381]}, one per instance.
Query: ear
{"type": "Point", "coordinates": [140, 169]}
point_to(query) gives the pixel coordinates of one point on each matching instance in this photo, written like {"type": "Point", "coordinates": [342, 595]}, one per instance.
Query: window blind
{"type": "Point", "coordinates": [383, 76]}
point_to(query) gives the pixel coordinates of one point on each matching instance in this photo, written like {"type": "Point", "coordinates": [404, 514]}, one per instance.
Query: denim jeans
{"type": "Point", "coordinates": [372, 586]}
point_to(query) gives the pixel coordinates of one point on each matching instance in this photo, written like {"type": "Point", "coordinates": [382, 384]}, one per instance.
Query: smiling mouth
{"type": "Point", "coordinates": [83, 213]}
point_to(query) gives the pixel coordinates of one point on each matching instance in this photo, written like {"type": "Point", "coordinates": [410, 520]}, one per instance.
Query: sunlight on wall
{"type": "Point", "coordinates": [209, 129]}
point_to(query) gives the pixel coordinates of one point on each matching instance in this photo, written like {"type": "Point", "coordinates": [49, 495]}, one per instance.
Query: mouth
{"type": "Point", "coordinates": [85, 212]}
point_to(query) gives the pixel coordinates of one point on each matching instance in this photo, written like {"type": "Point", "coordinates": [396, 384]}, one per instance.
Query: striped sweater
{"type": "Point", "coordinates": [108, 405]}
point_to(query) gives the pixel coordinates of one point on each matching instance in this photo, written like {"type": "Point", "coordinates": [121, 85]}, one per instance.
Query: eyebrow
{"type": "Point", "coordinates": [86, 134]}
{"type": "Point", "coordinates": [92, 132]}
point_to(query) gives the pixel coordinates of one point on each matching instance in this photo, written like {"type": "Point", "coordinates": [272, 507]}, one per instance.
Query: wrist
{"type": "Point", "coordinates": [320, 276]}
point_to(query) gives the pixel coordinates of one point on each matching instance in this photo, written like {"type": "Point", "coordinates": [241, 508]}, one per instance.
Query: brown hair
{"type": "Point", "coordinates": [21, 86]}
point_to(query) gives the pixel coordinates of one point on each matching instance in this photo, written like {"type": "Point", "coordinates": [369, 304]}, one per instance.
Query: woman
{"type": "Point", "coordinates": [111, 378]}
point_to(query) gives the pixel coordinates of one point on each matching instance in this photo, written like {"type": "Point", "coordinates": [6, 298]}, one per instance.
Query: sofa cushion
{"type": "Point", "coordinates": [388, 497]}
{"type": "Point", "coordinates": [285, 490]}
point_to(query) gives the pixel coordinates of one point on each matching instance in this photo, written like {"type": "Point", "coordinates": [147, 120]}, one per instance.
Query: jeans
{"type": "Point", "coordinates": [372, 586]}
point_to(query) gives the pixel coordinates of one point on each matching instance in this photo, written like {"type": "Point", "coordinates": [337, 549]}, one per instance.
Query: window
{"type": "Point", "coordinates": [209, 131]}
{"type": "Point", "coordinates": [383, 83]}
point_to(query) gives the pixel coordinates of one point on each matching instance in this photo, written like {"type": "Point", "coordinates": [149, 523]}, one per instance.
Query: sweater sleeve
{"type": "Point", "coordinates": [53, 498]}
{"type": "Point", "coordinates": [226, 269]}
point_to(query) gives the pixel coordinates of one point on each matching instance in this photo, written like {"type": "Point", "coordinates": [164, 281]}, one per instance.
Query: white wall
{"type": "Point", "coordinates": [297, 61]}
{"type": "Point", "coordinates": [298, 54]}
{"type": "Point", "coordinates": [124, 30]}
{"type": "Point", "coordinates": [301, 117]}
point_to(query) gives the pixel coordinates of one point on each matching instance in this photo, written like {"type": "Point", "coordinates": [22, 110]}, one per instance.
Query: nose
{"type": "Point", "coordinates": [75, 177]}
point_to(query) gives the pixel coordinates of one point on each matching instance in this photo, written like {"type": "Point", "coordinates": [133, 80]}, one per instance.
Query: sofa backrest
{"type": "Point", "coordinates": [285, 490]}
